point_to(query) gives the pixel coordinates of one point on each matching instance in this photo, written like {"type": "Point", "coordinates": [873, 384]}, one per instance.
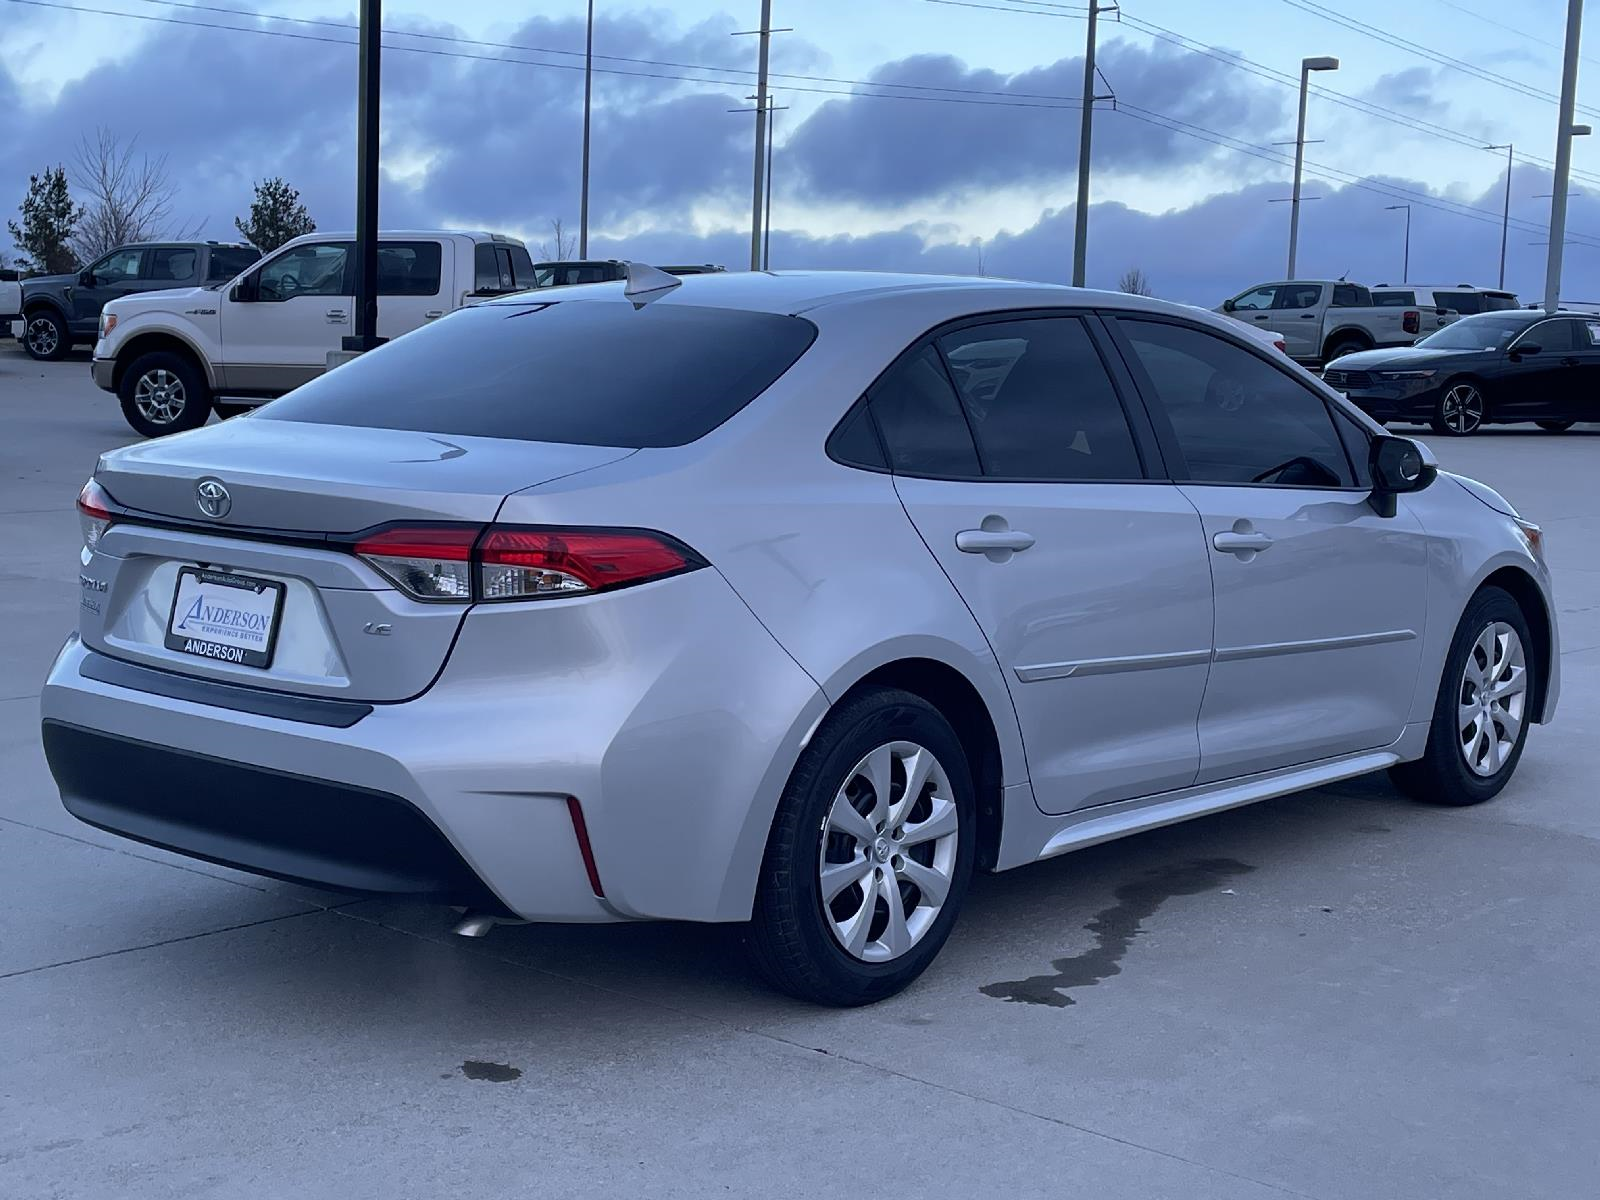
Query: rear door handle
{"type": "Point", "coordinates": [1308, 316]}
{"type": "Point", "coordinates": [982, 541]}
{"type": "Point", "coordinates": [1241, 543]}
{"type": "Point", "coordinates": [1571, 362]}
{"type": "Point", "coordinates": [1263, 317]}
{"type": "Point", "coordinates": [338, 316]}
{"type": "Point", "coordinates": [433, 314]}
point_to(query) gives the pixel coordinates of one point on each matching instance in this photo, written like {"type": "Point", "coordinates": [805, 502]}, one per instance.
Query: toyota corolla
{"type": "Point", "coordinates": [790, 600]}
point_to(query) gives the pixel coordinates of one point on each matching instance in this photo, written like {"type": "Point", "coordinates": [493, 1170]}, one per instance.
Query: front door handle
{"type": "Point", "coordinates": [1246, 543]}
{"type": "Point", "coordinates": [1263, 317]}
{"type": "Point", "coordinates": [433, 314]}
{"type": "Point", "coordinates": [994, 538]}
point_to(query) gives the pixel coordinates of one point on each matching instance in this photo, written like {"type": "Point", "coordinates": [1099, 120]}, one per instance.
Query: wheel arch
{"type": "Point", "coordinates": [157, 340]}
{"type": "Point", "coordinates": [33, 304]}
{"type": "Point", "coordinates": [1522, 588]}
{"type": "Point", "coordinates": [1353, 333]}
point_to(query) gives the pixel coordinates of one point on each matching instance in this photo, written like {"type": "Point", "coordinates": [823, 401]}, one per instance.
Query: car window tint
{"type": "Point", "coordinates": [521, 266]}
{"type": "Point", "coordinates": [507, 277]}
{"type": "Point", "coordinates": [1040, 402]}
{"type": "Point", "coordinates": [1556, 337]}
{"type": "Point", "coordinates": [1348, 295]}
{"type": "Point", "coordinates": [1236, 418]}
{"type": "Point", "coordinates": [316, 269]}
{"type": "Point", "coordinates": [1298, 295]}
{"type": "Point", "coordinates": [408, 268]}
{"type": "Point", "coordinates": [228, 261]}
{"type": "Point", "coordinates": [855, 442]}
{"type": "Point", "coordinates": [1591, 331]}
{"type": "Point", "coordinates": [118, 267]}
{"type": "Point", "coordinates": [485, 269]}
{"type": "Point", "coordinates": [1498, 301]}
{"type": "Point", "coordinates": [1256, 298]}
{"type": "Point", "coordinates": [592, 374]}
{"type": "Point", "coordinates": [173, 264]}
{"type": "Point", "coordinates": [1394, 299]}
{"type": "Point", "coordinates": [921, 420]}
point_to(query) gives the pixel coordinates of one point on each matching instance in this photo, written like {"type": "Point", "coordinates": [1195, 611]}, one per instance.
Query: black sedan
{"type": "Point", "coordinates": [1493, 367]}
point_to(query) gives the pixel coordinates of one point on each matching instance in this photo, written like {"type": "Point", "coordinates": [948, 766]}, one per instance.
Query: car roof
{"type": "Point", "coordinates": [796, 292]}
{"type": "Point", "coordinates": [1440, 287]}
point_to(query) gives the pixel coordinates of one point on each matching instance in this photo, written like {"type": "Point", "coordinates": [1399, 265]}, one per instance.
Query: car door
{"type": "Point", "coordinates": [280, 321]}
{"type": "Point", "coordinates": [1544, 384]}
{"type": "Point", "coordinates": [1320, 602]}
{"type": "Point", "coordinates": [1296, 314]}
{"type": "Point", "coordinates": [414, 285]}
{"type": "Point", "coordinates": [1042, 497]}
{"type": "Point", "coordinates": [116, 274]}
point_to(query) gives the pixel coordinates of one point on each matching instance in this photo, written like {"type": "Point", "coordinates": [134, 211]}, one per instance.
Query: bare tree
{"type": "Point", "coordinates": [127, 195]}
{"type": "Point", "coordinates": [1135, 282]}
{"type": "Point", "coordinates": [562, 245]}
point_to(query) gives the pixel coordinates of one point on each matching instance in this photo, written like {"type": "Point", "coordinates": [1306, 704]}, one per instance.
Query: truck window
{"type": "Point", "coordinates": [1466, 303]}
{"type": "Point", "coordinates": [1350, 295]}
{"type": "Point", "coordinates": [171, 264]}
{"type": "Point", "coordinates": [408, 268]}
{"type": "Point", "coordinates": [1394, 299]}
{"type": "Point", "coordinates": [521, 266]}
{"type": "Point", "coordinates": [313, 269]}
{"type": "Point", "coordinates": [1499, 302]}
{"type": "Point", "coordinates": [228, 261]}
{"type": "Point", "coordinates": [1255, 299]}
{"type": "Point", "coordinates": [1298, 295]}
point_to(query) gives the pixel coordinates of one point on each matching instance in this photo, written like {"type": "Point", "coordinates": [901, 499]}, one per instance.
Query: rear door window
{"type": "Point", "coordinates": [586, 373]}
{"type": "Point", "coordinates": [172, 264]}
{"type": "Point", "coordinates": [1298, 295]}
{"type": "Point", "coordinates": [408, 268]}
{"type": "Point", "coordinates": [1348, 295]}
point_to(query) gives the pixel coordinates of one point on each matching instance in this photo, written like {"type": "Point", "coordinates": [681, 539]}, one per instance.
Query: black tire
{"type": "Point", "coordinates": [1441, 775]}
{"type": "Point", "coordinates": [45, 335]}
{"type": "Point", "coordinates": [1345, 345]}
{"type": "Point", "coordinates": [791, 940]}
{"type": "Point", "coordinates": [189, 407]}
{"type": "Point", "coordinates": [1461, 410]}
{"type": "Point", "coordinates": [224, 410]}
{"type": "Point", "coordinates": [1555, 426]}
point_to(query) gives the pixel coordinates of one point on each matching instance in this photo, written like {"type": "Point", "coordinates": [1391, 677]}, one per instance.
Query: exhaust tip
{"type": "Point", "coordinates": [475, 925]}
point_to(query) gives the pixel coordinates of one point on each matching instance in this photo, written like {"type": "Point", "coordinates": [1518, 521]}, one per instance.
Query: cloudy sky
{"type": "Point", "coordinates": [934, 135]}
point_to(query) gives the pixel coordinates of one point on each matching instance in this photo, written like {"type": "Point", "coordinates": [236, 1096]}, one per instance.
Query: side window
{"type": "Point", "coordinates": [855, 442]}
{"type": "Point", "coordinates": [228, 261]}
{"type": "Point", "coordinates": [1298, 295]}
{"type": "Point", "coordinates": [1557, 337]}
{"type": "Point", "coordinates": [1347, 295]}
{"type": "Point", "coordinates": [311, 270]}
{"type": "Point", "coordinates": [174, 264]}
{"type": "Point", "coordinates": [1040, 402]}
{"type": "Point", "coordinates": [521, 267]}
{"type": "Point", "coordinates": [1236, 418]}
{"type": "Point", "coordinates": [921, 421]}
{"type": "Point", "coordinates": [117, 267]}
{"type": "Point", "coordinates": [1255, 300]}
{"type": "Point", "coordinates": [508, 277]}
{"type": "Point", "coordinates": [408, 268]}
{"type": "Point", "coordinates": [1591, 335]}
{"type": "Point", "coordinates": [1466, 303]}
{"type": "Point", "coordinates": [485, 269]}
{"type": "Point", "coordinates": [1394, 299]}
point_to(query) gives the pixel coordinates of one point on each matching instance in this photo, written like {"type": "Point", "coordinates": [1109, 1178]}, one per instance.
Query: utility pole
{"type": "Point", "coordinates": [1405, 267]}
{"type": "Point", "coordinates": [1564, 132]}
{"type": "Point", "coordinates": [761, 135]}
{"type": "Point", "coordinates": [588, 92]}
{"type": "Point", "coordinates": [369, 89]}
{"type": "Point", "coordinates": [1307, 65]}
{"type": "Point", "coordinates": [1505, 216]}
{"type": "Point", "coordinates": [766, 233]}
{"type": "Point", "coordinates": [1080, 230]}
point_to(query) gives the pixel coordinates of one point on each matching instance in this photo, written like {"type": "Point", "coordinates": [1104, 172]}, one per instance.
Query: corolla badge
{"type": "Point", "coordinates": [213, 498]}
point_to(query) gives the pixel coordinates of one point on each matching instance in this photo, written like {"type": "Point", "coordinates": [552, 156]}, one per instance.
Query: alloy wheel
{"type": "Point", "coordinates": [1492, 698]}
{"type": "Point", "coordinates": [1462, 408]}
{"type": "Point", "coordinates": [42, 336]}
{"type": "Point", "coordinates": [888, 852]}
{"type": "Point", "coordinates": [159, 396]}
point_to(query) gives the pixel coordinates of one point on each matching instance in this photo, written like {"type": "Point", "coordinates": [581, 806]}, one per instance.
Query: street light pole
{"type": "Point", "coordinates": [588, 92]}
{"type": "Point", "coordinates": [766, 232]}
{"type": "Point", "coordinates": [761, 134]}
{"type": "Point", "coordinates": [1307, 65]}
{"type": "Point", "coordinates": [1080, 229]}
{"type": "Point", "coordinates": [1564, 132]}
{"type": "Point", "coordinates": [1505, 216]}
{"type": "Point", "coordinates": [1405, 263]}
{"type": "Point", "coordinates": [369, 89]}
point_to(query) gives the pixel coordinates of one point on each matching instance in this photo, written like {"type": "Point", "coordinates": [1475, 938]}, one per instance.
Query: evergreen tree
{"type": "Point", "coordinates": [276, 216]}
{"type": "Point", "coordinates": [49, 219]}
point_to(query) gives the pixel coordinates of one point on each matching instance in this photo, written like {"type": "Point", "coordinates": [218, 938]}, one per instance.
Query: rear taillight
{"type": "Point", "coordinates": [464, 562]}
{"type": "Point", "coordinates": [425, 562]}
{"type": "Point", "coordinates": [1411, 321]}
{"type": "Point", "coordinates": [94, 513]}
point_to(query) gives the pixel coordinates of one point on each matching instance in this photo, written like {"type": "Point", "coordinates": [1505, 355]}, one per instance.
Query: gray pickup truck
{"type": "Point", "coordinates": [59, 311]}
{"type": "Point", "coordinates": [1321, 319]}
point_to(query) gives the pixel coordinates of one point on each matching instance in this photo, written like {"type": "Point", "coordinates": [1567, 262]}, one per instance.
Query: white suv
{"type": "Point", "coordinates": [173, 357]}
{"type": "Point", "coordinates": [1463, 298]}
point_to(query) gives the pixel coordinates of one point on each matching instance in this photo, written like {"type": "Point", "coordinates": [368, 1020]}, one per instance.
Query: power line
{"type": "Point", "coordinates": [1075, 14]}
{"type": "Point", "coordinates": [1509, 28]}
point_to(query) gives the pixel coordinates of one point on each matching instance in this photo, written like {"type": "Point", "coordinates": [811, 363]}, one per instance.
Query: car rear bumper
{"type": "Point", "coordinates": [103, 371]}
{"type": "Point", "coordinates": [667, 712]}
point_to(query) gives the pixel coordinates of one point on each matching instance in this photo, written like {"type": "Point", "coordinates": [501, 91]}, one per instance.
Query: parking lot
{"type": "Point", "coordinates": [1335, 994]}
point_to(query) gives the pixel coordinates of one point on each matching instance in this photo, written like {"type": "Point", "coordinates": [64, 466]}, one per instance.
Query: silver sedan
{"type": "Point", "coordinates": [783, 599]}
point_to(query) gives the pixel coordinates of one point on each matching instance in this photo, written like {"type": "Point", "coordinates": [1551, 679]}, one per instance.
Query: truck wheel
{"type": "Point", "coordinates": [163, 393]}
{"type": "Point", "coordinates": [1345, 345]}
{"type": "Point", "coordinates": [45, 335]}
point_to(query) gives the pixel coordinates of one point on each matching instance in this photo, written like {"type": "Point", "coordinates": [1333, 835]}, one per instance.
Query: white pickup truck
{"type": "Point", "coordinates": [10, 301]}
{"type": "Point", "coordinates": [174, 357]}
{"type": "Point", "coordinates": [1321, 319]}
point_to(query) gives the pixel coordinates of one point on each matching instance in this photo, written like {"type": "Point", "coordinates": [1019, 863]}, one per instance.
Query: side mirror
{"type": "Point", "coordinates": [85, 278]}
{"type": "Point", "coordinates": [1399, 465]}
{"type": "Point", "coordinates": [1227, 306]}
{"type": "Point", "coordinates": [1526, 348]}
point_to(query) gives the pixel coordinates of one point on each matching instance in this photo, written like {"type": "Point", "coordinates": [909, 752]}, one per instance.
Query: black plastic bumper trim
{"type": "Point", "coordinates": [259, 819]}
{"type": "Point", "coordinates": [310, 710]}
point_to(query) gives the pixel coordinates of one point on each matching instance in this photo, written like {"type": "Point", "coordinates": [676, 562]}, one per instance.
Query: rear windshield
{"type": "Point", "coordinates": [585, 372]}
{"type": "Point", "coordinates": [1394, 299]}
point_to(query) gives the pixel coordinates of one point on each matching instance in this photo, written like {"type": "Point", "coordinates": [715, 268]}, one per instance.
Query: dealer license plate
{"type": "Point", "coordinates": [226, 617]}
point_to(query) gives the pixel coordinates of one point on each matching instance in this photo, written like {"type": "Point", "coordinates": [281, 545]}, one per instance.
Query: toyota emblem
{"type": "Point", "coordinates": [213, 498]}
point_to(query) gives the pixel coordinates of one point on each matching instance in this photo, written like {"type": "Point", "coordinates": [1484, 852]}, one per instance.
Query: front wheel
{"type": "Point", "coordinates": [164, 393]}
{"type": "Point", "coordinates": [1460, 411]}
{"type": "Point", "coordinates": [1481, 715]}
{"type": "Point", "coordinates": [45, 336]}
{"type": "Point", "coordinates": [1555, 426]}
{"type": "Point", "coordinates": [869, 856]}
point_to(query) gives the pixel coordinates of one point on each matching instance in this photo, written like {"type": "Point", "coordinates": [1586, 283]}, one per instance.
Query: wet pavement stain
{"type": "Point", "coordinates": [490, 1072]}
{"type": "Point", "coordinates": [1114, 929]}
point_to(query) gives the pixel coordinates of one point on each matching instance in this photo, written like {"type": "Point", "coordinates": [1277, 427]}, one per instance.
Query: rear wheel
{"type": "Point", "coordinates": [869, 856]}
{"type": "Point", "coordinates": [1481, 715]}
{"type": "Point", "coordinates": [1343, 346]}
{"type": "Point", "coordinates": [1461, 409]}
{"type": "Point", "coordinates": [1555, 426]}
{"type": "Point", "coordinates": [163, 393]}
{"type": "Point", "coordinates": [45, 336]}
